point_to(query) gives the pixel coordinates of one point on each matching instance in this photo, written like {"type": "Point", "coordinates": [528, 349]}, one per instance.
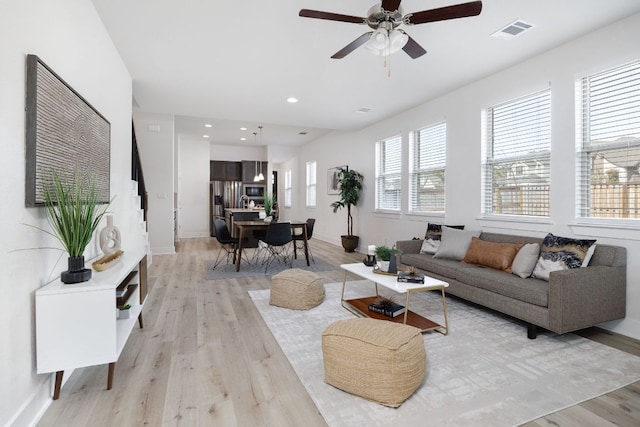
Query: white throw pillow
{"type": "Point", "coordinates": [454, 243]}
{"type": "Point", "coordinates": [429, 246]}
{"type": "Point", "coordinates": [525, 260]}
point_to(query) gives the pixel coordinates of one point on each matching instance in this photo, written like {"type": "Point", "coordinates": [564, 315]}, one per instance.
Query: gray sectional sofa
{"type": "Point", "coordinates": [572, 299]}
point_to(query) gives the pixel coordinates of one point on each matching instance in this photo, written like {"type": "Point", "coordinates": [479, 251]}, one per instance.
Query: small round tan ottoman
{"type": "Point", "coordinates": [376, 359]}
{"type": "Point", "coordinates": [297, 289]}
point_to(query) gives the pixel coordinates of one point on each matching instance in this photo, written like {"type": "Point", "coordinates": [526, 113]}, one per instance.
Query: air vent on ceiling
{"type": "Point", "coordinates": [303, 133]}
{"type": "Point", "coordinates": [363, 110]}
{"type": "Point", "coordinates": [514, 29]}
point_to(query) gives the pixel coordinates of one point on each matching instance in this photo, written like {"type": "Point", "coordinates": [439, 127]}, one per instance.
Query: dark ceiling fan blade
{"type": "Point", "coordinates": [449, 12]}
{"type": "Point", "coordinates": [391, 5]}
{"type": "Point", "coordinates": [413, 49]}
{"type": "Point", "coordinates": [352, 46]}
{"type": "Point", "coordinates": [307, 13]}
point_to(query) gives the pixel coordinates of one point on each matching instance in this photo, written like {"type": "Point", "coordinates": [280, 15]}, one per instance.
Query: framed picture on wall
{"type": "Point", "coordinates": [333, 186]}
{"type": "Point", "coordinates": [65, 134]}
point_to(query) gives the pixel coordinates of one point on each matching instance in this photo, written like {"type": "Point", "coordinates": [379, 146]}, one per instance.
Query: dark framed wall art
{"type": "Point", "coordinates": [64, 135]}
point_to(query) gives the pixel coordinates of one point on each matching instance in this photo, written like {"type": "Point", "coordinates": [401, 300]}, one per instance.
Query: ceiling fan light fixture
{"type": "Point", "coordinates": [378, 40]}
{"type": "Point", "coordinates": [397, 40]}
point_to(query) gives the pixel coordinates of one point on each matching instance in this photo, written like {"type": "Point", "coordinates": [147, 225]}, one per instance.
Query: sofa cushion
{"type": "Point", "coordinates": [434, 231]}
{"type": "Point", "coordinates": [490, 254]}
{"type": "Point", "coordinates": [532, 291]}
{"type": "Point", "coordinates": [561, 253]}
{"type": "Point", "coordinates": [525, 260]}
{"type": "Point", "coordinates": [455, 243]}
{"type": "Point", "coordinates": [429, 246]}
{"type": "Point", "coordinates": [442, 267]}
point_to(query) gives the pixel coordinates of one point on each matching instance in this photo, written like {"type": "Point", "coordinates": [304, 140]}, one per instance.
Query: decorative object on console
{"type": "Point", "coordinates": [110, 238]}
{"type": "Point", "coordinates": [350, 183]}
{"type": "Point", "coordinates": [107, 261]}
{"type": "Point", "coordinates": [64, 134]}
{"type": "Point", "coordinates": [74, 214]}
{"type": "Point", "coordinates": [455, 243]}
{"type": "Point", "coordinates": [561, 253]}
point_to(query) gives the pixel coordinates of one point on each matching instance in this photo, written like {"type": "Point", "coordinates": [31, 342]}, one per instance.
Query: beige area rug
{"type": "Point", "coordinates": [484, 373]}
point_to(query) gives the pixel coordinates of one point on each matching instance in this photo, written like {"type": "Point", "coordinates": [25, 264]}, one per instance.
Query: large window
{"type": "Point", "coordinates": [427, 160]}
{"type": "Point", "coordinates": [311, 184]}
{"type": "Point", "coordinates": [388, 174]}
{"type": "Point", "coordinates": [609, 145]}
{"type": "Point", "coordinates": [516, 156]}
{"type": "Point", "coordinates": [287, 189]}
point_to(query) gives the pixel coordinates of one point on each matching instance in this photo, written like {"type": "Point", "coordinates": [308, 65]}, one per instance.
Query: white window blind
{"type": "Point", "coordinates": [516, 156]}
{"type": "Point", "coordinates": [311, 184]}
{"type": "Point", "coordinates": [287, 188]}
{"type": "Point", "coordinates": [389, 173]}
{"type": "Point", "coordinates": [609, 150]}
{"type": "Point", "coordinates": [427, 160]}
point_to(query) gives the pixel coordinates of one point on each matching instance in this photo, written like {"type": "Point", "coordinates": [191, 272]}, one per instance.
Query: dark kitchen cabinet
{"type": "Point", "coordinates": [225, 171]}
{"type": "Point", "coordinates": [250, 168]}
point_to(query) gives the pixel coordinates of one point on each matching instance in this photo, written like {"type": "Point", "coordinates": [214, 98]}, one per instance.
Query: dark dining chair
{"type": "Point", "coordinates": [228, 244]}
{"type": "Point", "coordinates": [277, 241]}
{"type": "Point", "coordinates": [298, 239]}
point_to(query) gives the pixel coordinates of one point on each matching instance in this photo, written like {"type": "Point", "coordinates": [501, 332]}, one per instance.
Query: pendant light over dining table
{"type": "Point", "coordinates": [259, 175]}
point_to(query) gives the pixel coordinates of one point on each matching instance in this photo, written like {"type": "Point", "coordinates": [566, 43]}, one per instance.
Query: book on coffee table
{"type": "Point", "coordinates": [393, 311]}
{"type": "Point", "coordinates": [410, 278]}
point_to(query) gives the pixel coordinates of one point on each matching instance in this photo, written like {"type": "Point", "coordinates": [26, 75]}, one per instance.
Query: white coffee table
{"type": "Point", "coordinates": [360, 306]}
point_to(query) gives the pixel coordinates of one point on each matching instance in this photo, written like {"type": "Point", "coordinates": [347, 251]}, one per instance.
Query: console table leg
{"type": "Point", "coordinates": [58, 384]}
{"type": "Point", "coordinates": [140, 320]}
{"type": "Point", "coordinates": [112, 369]}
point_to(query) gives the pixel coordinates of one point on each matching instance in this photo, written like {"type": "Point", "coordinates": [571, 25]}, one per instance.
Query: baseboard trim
{"type": "Point", "coordinates": [33, 408]}
{"type": "Point", "coordinates": [164, 250]}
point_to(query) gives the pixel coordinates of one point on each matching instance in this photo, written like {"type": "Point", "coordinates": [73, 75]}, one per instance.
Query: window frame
{"type": "Point", "coordinates": [382, 175]}
{"type": "Point", "coordinates": [589, 155]}
{"type": "Point", "coordinates": [439, 129]}
{"type": "Point", "coordinates": [533, 199]}
{"type": "Point", "coordinates": [288, 188]}
{"type": "Point", "coordinates": [311, 168]}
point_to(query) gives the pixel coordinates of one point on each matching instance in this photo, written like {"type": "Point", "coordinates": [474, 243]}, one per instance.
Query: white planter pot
{"type": "Point", "coordinates": [124, 314]}
{"type": "Point", "coordinates": [383, 265]}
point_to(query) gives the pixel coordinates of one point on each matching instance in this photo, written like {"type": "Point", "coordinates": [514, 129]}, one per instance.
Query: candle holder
{"type": "Point", "coordinates": [370, 261]}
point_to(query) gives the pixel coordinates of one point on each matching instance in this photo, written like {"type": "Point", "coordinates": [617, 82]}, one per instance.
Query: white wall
{"type": "Point", "coordinates": [155, 137]}
{"type": "Point", "coordinates": [194, 189]}
{"type": "Point", "coordinates": [68, 36]}
{"type": "Point", "coordinates": [559, 68]}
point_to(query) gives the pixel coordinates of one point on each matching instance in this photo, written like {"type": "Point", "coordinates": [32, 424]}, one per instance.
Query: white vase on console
{"type": "Point", "coordinates": [110, 238]}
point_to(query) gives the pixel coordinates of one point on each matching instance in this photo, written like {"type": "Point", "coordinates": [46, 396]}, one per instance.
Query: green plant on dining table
{"type": "Point", "coordinates": [268, 204]}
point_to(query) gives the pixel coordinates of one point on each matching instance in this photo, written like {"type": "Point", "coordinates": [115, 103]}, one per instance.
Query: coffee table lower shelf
{"type": "Point", "coordinates": [361, 306]}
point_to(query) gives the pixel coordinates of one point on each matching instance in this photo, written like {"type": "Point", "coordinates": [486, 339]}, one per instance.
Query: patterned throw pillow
{"type": "Point", "coordinates": [561, 253]}
{"type": "Point", "coordinates": [434, 231]}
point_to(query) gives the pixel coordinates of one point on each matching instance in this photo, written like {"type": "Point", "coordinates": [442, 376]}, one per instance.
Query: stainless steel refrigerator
{"type": "Point", "coordinates": [223, 195]}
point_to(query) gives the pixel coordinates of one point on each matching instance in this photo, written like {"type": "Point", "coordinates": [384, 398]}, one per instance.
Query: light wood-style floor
{"type": "Point", "coordinates": [206, 358]}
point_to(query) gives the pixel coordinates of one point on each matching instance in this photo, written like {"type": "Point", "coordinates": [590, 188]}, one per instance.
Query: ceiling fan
{"type": "Point", "coordinates": [385, 17]}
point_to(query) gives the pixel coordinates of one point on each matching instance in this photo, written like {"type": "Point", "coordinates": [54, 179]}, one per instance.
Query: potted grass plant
{"type": "Point", "coordinates": [73, 212]}
{"type": "Point", "coordinates": [350, 184]}
{"type": "Point", "coordinates": [268, 206]}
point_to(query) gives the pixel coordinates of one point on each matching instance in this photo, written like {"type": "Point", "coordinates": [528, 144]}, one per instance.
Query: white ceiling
{"type": "Point", "coordinates": [234, 63]}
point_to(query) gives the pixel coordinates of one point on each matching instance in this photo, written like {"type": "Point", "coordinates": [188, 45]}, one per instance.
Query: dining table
{"type": "Point", "coordinates": [243, 226]}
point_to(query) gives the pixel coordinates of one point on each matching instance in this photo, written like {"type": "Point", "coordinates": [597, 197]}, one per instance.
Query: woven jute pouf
{"type": "Point", "coordinates": [297, 289]}
{"type": "Point", "coordinates": [376, 359]}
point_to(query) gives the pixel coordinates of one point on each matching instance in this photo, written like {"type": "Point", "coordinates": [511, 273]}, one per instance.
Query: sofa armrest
{"type": "Point", "coordinates": [409, 246]}
{"type": "Point", "coordinates": [584, 297]}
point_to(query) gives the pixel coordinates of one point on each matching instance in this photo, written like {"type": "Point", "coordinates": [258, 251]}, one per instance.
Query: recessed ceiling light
{"type": "Point", "coordinates": [208, 125]}
{"type": "Point", "coordinates": [243, 139]}
{"type": "Point", "coordinates": [243, 128]}
{"type": "Point", "coordinates": [363, 110]}
{"type": "Point", "coordinates": [292, 100]}
{"type": "Point", "coordinates": [205, 136]}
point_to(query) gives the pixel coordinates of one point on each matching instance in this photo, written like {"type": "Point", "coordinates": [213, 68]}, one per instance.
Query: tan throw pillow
{"type": "Point", "coordinates": [490, 254]}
